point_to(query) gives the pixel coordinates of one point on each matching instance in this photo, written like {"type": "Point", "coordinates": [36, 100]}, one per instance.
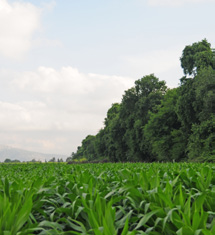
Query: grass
{"type": "Point", "coordinates": [107, 199]}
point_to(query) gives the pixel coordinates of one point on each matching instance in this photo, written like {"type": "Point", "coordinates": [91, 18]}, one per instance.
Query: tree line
{"type": "Point", "coordinates": [156, 123]}
{"type": "Point", "coordinates": [8, 160]}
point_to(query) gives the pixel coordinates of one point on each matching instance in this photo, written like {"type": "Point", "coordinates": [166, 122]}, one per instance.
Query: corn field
{"type": "Point", "coordinates": [107, 199]}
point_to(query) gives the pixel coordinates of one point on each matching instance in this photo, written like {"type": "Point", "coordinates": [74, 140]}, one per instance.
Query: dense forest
{"type": "Point", "coordinates": [155, 123]}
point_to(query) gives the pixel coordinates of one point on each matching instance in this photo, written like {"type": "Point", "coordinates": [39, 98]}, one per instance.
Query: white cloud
{"type": "Point", "coordinates": [69, 81]}
{"type": "Point", "coordinates": [51, 110]}
{"type": "Point", "coordinates": [48, 80]}
{"type": "Point", "coordinates": [176, 2]}
{"type": "Point", "coordinates": [22, 116]}
{"type": "Point", "coordinates": [18, 23]}
{"type": "Point", "coordinates": [61, 100]}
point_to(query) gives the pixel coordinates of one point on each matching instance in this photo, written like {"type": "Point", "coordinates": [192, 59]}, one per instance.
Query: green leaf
{"type": "Point", "coordinates": [146, 217]}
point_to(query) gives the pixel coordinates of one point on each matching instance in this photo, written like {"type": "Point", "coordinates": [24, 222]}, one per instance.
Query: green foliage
{"type": "Point", "coordinates": [107, 199]}
{"type": "Point", "coordinates": [51, 160]}
{"type": "Point", "coordinates": [153, 124]}
{"type": "Point", "coordinates": [200, 126]}
{"type": "Point", "coordinates": [184, 106]}
{"type": "Point", "coordinates": [87, 150]}
{"type": "Point", "coordinates": [126, 135]}
{"type": "Point", "coordinates": [163, 130]}
{"type": "Point", "coordinates": [7, 160]}
{"type": "Point", "coordinates": [69, 159]}
{"type": "Point", "coordinates": [204, 87]}
{"type": "Point", "coordinates": [196, 57]}
{"type": "Point", "coordinates": [202, 141]}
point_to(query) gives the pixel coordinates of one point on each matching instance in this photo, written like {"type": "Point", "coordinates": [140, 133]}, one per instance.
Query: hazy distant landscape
{"type": "Point", "coordinates": [7, 152]}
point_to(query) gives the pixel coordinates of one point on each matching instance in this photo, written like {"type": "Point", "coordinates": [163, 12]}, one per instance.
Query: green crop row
{"type": "Point", "coordinates": [107, 199]}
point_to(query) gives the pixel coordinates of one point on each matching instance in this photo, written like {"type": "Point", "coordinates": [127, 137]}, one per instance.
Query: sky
{"type": "Point", "coordinates": [63, 63]}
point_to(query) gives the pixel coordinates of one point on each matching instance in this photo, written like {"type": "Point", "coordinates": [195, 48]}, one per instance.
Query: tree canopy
{"type": "Point", "coordinates": [154, 123]}
{"type": "Point", "coordinates": [197, 56]}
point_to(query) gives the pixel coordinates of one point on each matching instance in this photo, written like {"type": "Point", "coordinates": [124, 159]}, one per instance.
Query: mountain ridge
{"type": "Point", "coordinates": [8, 152]}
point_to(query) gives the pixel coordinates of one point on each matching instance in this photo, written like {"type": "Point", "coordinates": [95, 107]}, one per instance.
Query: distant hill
{"type": "Point", "coordinates": [24, 155]}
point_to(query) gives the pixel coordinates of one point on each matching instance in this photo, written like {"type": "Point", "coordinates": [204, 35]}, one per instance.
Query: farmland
{"type": "Point", "coordinates": [110, 198]}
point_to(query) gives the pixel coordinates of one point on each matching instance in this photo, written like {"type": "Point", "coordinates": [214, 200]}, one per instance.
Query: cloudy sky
{"type": "Point", "coordinates": [64, 62]}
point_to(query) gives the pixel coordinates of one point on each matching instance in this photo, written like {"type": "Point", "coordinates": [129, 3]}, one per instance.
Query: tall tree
{"type": "Point", "coordinates": [163, 131]}
{"type": "Point", "coordinates": [197, 56]}
{"type": "Point", "coordinates": [185, 104]}
{"type": "Point", "coordinates": [201, 143]}
{"type": "Point", "coordinates": [201, 146]}
{"type": "Point", "coordinates": [136, 104]}
{"type": "Point", "coordinates": [204, 87]}
{"type": "Point", "coordinates": [153, 124]}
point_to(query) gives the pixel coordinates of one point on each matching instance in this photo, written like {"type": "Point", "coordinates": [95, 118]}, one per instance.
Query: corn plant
{"type": "Point", "coordinates": [107, 199]}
